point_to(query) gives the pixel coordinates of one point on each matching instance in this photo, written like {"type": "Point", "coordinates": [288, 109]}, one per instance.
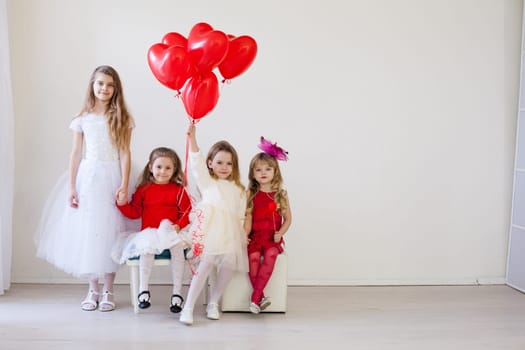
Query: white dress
{"type": "Point", "coordinates": [217, 227]}
{"type": "Point", "coordinates": [79, 241]}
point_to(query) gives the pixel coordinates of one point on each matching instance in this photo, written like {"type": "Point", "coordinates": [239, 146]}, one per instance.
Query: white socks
{"type": "Point", "coordinates": [177, 267]}
{"type": "Point", "coordinates": [145, 265]}
{"type": "Point", "coordinates": [197, 283]}
{"type": "Point", "coordinates": [224, 275]}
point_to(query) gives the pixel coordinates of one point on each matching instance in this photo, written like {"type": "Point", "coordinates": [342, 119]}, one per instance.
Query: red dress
{"type": "Point", "coordinates": [266, 220]}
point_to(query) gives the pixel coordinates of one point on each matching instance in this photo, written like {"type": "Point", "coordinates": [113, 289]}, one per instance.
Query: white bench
{"type": "Point", "coordinates": [236, 296]}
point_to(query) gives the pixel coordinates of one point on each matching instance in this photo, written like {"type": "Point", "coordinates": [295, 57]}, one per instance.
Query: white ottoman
{"type": "Point", "coordinates": [236, 296]}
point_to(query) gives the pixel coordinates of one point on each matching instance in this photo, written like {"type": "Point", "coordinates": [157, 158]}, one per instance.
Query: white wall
{"type": "Point", "coordinates": [399, 117]}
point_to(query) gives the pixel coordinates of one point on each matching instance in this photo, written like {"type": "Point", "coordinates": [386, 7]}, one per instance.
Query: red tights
{"type": "Point", "coordinates": [260, 273]}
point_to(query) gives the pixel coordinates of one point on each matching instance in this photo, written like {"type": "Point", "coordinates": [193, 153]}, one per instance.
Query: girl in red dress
{"type": "Point", "coordinates": [267, 220]}
{"type": "Point", "coordinates": [164, 206]}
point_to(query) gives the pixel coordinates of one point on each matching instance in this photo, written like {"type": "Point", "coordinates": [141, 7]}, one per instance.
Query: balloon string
{"type": "Point", "coordinates": [185, 177]}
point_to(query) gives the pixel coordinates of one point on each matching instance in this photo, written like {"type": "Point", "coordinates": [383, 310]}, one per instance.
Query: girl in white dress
{"type": "Point", "coordinates": [80, 220]}
{"type": "Point", "coordinates": [218, 238]}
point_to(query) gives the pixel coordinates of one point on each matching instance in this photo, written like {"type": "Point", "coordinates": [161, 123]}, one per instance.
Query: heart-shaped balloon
{"type": "Point", "coordinates": [171, 65]}
{"type": "Point", "coordinates": [241, 53]}
{"type": "Point", "coordinates": [206, 47]}
{"type": "Point", "coordinates": [175, 39]}
{"type": "Point", "coordinates": [200, 94]}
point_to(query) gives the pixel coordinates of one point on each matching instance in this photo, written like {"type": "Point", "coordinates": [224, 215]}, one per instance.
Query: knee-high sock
{"type": "Point", "coordinates": [254, 262]}
{"type": "Point", "coordinates": [197, 283]}
{"type": "Point", "coordinates": [265, 272]}
{"type": "Point", "coordinates": [177, 267]}
{"type": "Point", "coordinates": [224, 275]}
{"type": "Point", "coordinates": [145, 265]}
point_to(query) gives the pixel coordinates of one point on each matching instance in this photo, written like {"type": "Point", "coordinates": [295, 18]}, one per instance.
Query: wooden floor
{"type": "Point", "coordinates": [41, 317]}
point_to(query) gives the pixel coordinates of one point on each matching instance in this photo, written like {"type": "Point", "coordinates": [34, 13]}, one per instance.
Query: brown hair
{"type": "Point", "coordinates": [147, 176]}
{"type": "Point", "coordinates": [118, 117]}
{"type": "Point", "coordinates": [225, 146]}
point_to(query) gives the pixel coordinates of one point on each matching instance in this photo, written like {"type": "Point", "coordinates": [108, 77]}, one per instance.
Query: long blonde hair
{"type": "Point", "coordinates": [225, 146]}
{"type": "Point", "coordinates": [280, 197]}
{"type": "Point", "coordinates": [118, 117]}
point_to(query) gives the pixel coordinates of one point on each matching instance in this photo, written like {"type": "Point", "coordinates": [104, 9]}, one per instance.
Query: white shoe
{"type": "Point", "coordinates": [91, 301]}
{"type": "Point", "coordinates": [264, 303]}
{"type": "Point", "coordinates": [254, 308]}
{"type": "Point", "coordinates": [212, 311]}
{"type": "Point", "coordinates": [186, 316]}
{"type": "Point", "coordinates": [107, 302]}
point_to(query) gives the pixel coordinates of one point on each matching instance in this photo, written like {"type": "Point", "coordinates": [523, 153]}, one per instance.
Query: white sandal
{"type": "Point", "coordinates": [91, 301]}
{"type": "Point", "coordinates": [106, 302]}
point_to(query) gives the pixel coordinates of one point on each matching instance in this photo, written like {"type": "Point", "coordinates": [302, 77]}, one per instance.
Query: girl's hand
{"type": "Point", "coordinates": [122, 198]}
{"type": "Point", "coordinates": [194, 147]}
{"type": "Point", "coordinates": [277, 237]}
{"type": "Point", "coordinates": [122, 195]}
{"type": "Point", "coordinates": [191, 130]}
{"type": "Point", "coordinates": [175, 228]}
{"type": "Point", "coordinates": [73, 199]}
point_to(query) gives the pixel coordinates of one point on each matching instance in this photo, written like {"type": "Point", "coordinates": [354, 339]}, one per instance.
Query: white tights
{"type": "Point", "coordinates": [177, 268]}
{"type": "Point", "coordinates": [224, 276]}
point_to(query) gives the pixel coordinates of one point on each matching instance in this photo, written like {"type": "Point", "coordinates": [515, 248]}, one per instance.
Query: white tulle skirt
{"type": "Point", "coordinates": [148, 241]}
{"type": "Point", "coordinates": [79, 241]}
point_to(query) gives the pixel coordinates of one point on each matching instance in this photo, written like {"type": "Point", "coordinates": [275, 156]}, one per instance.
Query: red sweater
{"type": "Point", "coordinates": [154, 202]}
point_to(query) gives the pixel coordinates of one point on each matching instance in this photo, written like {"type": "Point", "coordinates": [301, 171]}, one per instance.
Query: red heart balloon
{"type": "Point", "coordinates": [207, 47]}
{"type": "Point", "coordinates": [200, 95]}
{"type": "Point", "coordinates": [240, 56]}
{"type": "Point", "coordinates": [175, 39]}
{"type": "Point", "coordinates": [170, 65]}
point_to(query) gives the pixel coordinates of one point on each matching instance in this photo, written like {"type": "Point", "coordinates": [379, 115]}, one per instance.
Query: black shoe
{"type": "Point", "coordinates": [176, 306]}
{"type": "Point", "coordinates": [144, 304]}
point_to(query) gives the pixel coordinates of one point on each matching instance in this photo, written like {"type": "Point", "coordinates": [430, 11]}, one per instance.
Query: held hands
{"type": "Point", "coordinates": [122, 197]}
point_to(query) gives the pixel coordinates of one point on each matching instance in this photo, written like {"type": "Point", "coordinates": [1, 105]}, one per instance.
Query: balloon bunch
{"type": "Point", "coordinates": [187, 64]}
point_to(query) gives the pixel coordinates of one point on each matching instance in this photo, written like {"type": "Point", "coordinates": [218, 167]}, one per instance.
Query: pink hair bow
{"type": "Point", "coordinates": [272, 149]}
